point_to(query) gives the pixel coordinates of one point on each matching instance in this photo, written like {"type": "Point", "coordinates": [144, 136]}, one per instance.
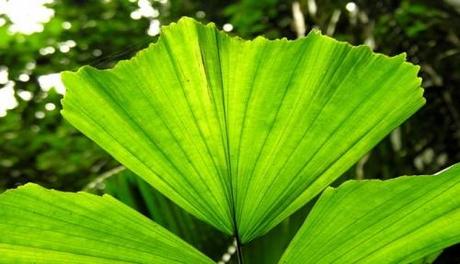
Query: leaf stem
{"type": "Point", "coordinates": [239, 251]}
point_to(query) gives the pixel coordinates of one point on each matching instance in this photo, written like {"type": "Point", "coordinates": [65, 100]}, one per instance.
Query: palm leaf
{"type": "Point", "coordinates": [45, 226]}
{"type": "Point", "coordinates": [242, 133]}
{"type": "Point", "coordinates": [402, 220]}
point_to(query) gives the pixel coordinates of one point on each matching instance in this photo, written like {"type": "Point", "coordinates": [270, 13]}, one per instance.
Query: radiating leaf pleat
{"type": "Point", "coordinates": [395, 221]}
{"type": "Point", "coordinates": [47, 226]}
{"type": "Point", "coordinates": [242, 133]}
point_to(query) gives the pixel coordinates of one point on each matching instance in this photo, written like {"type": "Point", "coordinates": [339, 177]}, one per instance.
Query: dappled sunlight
{"type": "Point", "coordinates": [146, 10]}
{"type": "Point", "coordinates": [49, 81]}
{"type": "Point", "coordinates": [26, 16]}
{"type": "Point", "coordinates": [7, 99]}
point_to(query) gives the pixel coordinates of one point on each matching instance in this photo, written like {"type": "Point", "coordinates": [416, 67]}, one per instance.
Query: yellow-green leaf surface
{"type": "Point", "coordinates": [395, 221]}
{"type": "Point", "coordinates": [47, 226]}
{"type": "Point", "coordinates": [242, 133]}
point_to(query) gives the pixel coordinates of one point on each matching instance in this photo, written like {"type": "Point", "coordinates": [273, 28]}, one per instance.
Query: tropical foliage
{"type": "Point", "coordinates": [241, 134]}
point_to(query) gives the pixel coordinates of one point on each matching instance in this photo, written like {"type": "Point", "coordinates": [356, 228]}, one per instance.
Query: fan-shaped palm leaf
{"type": "Point", "coordinates": [242, 133]}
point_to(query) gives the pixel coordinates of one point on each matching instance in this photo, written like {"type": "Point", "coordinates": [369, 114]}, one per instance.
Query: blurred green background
{"type": "Point", "coordinates": [40, 38]}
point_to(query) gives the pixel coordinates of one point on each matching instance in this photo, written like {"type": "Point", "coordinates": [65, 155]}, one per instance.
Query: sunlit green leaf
{"type": "Point", "coordinates": [242, 133]}
{"type": "Point", "coordinates": [46, 226]}
{"type": "Point", "coordinates": [395, 221]}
